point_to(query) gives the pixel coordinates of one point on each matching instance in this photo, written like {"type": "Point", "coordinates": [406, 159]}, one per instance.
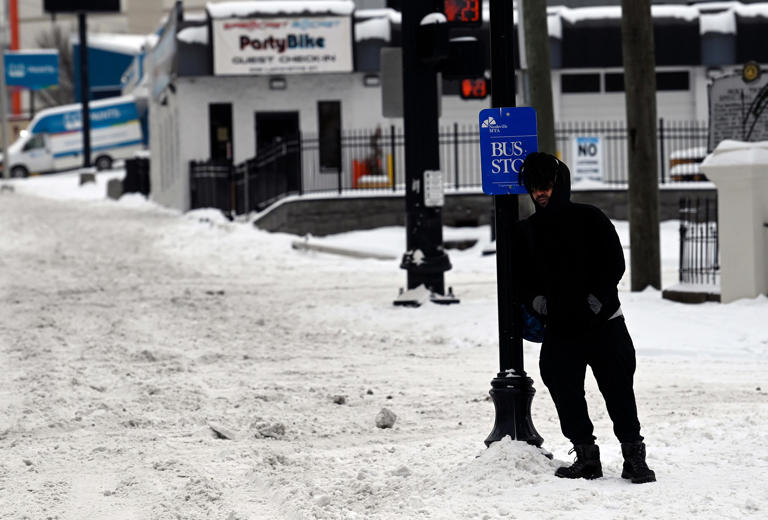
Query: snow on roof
{"type": "Point", "coordinates": [396, 17]}
{"type": "Point", "coordinates": [274, 7]}
{"type": "Point", "coordinates": [581, 14]}
{"type": "Point", "coordinates": [373, 29]}
{"type": "Point", "coordinates": [589, 13]}
{"type": "Point", "coordinates": [196, 16]}
{"type": "Point", "coordinates": [724, 22]}
{"type": "Point", "coordinates": [752, 10]}
{"type": "Point", "coordinates": [194, 35]}
{"type": "Point", "coordinates": [121, 43]}
{"type": "Point", "coordinates": [688, 14]}
{"type": "Point", "coordinates": [555, 26]}
{"type": "Point", "coordinates": [433, 18]}
{"type": "Point", "coordinates": [716, 6]}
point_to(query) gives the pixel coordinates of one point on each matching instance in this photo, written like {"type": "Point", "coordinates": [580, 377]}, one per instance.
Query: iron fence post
{"type": "Point", "coordinates": [661, 150]}
{"type": "Point", "coordinates": [456, 153]}
{"type": "Point", "coordinates": [300, 159]}
{"type": "Point", "coordinates": [341, 167]}
{"type": "Point", "coordinates": [393, 157]}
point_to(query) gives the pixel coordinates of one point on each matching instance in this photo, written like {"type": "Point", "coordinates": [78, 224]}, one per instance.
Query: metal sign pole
{"type": "Point", "coordinates": [84, 87]}
{"type": "Point", "coordinates": [4, 102]}
{"type": "Point", "coordinates": [512, 390]}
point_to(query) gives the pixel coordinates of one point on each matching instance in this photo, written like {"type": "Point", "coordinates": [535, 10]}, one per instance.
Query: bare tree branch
{"type": "Point", "coordinates": [58, 38]}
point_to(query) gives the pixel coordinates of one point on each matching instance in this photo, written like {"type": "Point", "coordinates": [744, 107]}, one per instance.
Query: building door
{"type": "Point", "coordinates": [278, 140]}
{"type": "Point", "coordinates": [274, 128]}
{"type": "Point", "coordinates": [329, 135]}
{"type": "Point", "coordinates": [220, 121]}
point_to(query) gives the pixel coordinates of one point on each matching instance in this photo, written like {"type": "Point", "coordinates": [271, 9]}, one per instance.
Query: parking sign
{"type": "Point", "coordinates": [507, 136]}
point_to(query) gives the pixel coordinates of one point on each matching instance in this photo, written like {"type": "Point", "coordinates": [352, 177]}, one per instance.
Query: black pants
{"type": "Point", "coordinates": [610, 353]}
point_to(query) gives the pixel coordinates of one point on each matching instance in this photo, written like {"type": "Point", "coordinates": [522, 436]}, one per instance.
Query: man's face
{"type": "Point", "coordinates": [542, 195]}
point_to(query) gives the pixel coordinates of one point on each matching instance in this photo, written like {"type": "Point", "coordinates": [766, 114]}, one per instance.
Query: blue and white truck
{"type": "Point", "coordinates": [53, 141]}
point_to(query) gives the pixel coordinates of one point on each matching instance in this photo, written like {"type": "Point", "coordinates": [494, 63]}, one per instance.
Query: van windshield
{"type": "Point", "coordinates": [35, 142]}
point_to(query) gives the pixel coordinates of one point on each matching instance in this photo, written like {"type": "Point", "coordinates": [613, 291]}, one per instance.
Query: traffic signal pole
{"type": "Point", "coordinates": [512, 390]}
{"type": "Point", "coordinates": [82, 25]}
{"type": "Point", "coordinates": [425, 259]}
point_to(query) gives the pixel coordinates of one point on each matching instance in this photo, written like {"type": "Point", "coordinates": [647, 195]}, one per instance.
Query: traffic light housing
{"type": "Point", "coordinates": [467, 58]}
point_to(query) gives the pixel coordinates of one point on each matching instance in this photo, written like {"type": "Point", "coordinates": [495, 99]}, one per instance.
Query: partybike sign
{"type": "Point", "coordinates": [298, 45]}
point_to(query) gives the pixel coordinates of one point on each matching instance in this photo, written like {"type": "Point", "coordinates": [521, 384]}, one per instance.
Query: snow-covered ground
{"type": "Point", "coordinates": [129, 333]}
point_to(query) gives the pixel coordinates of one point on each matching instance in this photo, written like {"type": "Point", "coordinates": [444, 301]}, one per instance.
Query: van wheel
{"type": "Point", "coordinates": [19, 172]}
{"type": "Point", "coordinates": [103, 162]}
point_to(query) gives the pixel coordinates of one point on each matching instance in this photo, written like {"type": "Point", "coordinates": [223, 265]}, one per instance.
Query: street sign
{"type": "Point", "coordinates": [74, 6]}
{"type": "Point", "coordinates": [507, 136]}
{"type": "Point", "coordinates": [33, 70]}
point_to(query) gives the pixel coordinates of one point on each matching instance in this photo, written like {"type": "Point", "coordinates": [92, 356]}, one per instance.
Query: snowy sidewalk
{"type": "Point", "coordinates": [127, 331]}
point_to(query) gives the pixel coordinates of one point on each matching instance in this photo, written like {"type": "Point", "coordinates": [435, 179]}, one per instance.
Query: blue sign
{"type": "Point", "coordinates": [507, 136]}
{"type": "Point", "coordinates": [33, 70]}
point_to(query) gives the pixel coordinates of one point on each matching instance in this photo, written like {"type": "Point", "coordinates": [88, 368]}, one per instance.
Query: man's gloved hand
{"type": "Point", "coordinates": [594, 304]}
{"type": "Point", "coordinates": [539, 305]}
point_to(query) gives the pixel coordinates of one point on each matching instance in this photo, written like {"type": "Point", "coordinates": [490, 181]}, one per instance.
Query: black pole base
{"type": "Point", "coordinates": [512, 396]}
{"type": "Point", "coordinates": [420, 295]}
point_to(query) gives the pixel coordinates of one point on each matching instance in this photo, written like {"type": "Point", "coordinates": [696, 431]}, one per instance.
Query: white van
{"type": "Point", "coordinates": [54, 139]}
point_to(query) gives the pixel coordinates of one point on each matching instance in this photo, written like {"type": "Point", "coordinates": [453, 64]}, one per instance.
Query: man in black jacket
{"type": "Point", "coordinates": [573, 261]}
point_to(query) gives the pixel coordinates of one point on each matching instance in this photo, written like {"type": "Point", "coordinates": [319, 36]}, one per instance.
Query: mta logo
{"type": "Point", "coordinates": [17, 70]}
{"type": "Point", "coordinates": [489, 123]}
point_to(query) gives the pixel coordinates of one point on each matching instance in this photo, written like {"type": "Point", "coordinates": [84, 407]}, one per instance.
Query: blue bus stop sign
{"type": "Point", "coordinates": [507, 136]}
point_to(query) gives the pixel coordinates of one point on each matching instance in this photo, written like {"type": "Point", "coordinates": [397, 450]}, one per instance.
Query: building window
{"type": "Point", "coordinates": [672, 80]}
{"type": "Point", "coordinates": [329, 135]}
{"type": "Point", "coordinates": [579, 83]}
{"type": "Point", "coordinates": [675, 80]}
{"type": "Point", "coordinates": [614, 82]}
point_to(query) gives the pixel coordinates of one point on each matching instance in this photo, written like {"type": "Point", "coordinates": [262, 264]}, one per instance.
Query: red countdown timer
{"type": "Point", "coordinates": [474, 88]}
{"type": "Point", "coordinates": [462, 12]}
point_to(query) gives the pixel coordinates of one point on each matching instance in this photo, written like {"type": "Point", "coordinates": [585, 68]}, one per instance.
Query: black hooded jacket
{"type": "Point", "coordinates": [570, 251]}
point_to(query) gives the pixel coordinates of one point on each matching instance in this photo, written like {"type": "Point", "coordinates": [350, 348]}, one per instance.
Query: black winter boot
{"type": "Point", "coordinates": [635, 469]}
{"type": "Point", "coordinates": [587, 464]}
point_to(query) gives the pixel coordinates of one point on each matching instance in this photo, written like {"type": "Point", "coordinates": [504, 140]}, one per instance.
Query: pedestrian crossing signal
{"type": "Point", "coordinates": [474, 88]}
{"type": "Point", "coordinates": [463, 12]}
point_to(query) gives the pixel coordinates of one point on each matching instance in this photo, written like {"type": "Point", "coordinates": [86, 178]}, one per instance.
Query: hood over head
{"type": "Point", "coordinates": [541, 169]}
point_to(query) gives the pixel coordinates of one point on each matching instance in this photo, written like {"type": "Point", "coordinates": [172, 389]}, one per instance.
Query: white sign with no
{"type": "Point", "coordinates": [587, 162]}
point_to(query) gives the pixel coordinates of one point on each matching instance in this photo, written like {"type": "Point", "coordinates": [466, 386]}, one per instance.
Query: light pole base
{"type": "Point", "coordinates": [512, 396]}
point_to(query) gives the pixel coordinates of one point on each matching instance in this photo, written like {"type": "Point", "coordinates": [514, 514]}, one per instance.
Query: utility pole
{"type": "Point", "coordinates": [534, 27]}
{"type": "Point", "coordinates": [640, 88]}
{"type": "Point", "coordinates": [512, 390]}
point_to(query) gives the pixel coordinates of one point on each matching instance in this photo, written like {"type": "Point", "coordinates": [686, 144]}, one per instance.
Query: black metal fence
{"type": "Point", "coordinates": [699, 251]}
{"type": "Point", "coordinates": [374, 159]}
{"type": "Point", "coordinates": [249, 186]}
{"type": "Point", "coordinates": [211, 185]}
{"type": "Point", "coordinates": [680, 148]}
{"type": "Point", "coordinates": [137, 176]}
